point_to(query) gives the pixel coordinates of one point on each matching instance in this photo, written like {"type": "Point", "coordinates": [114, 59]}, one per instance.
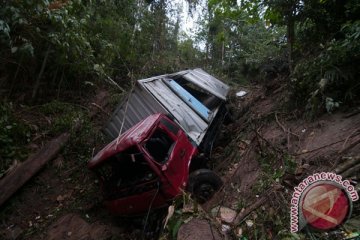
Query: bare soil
{"type": "Point", "coordinates": [263, 140]}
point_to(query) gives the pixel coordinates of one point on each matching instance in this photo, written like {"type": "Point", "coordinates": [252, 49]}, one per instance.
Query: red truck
{"type": "Point", "coordinates": [155, 160]}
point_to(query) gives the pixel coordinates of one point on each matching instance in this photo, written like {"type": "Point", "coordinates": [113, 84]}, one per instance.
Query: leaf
{"type": "Point", "coordinates": [14, 49]}
{"type": "Point", "coordinates": [28, 48]}
{"type": "Point", "coordinates": [176, 228]}
{"type": "Point", "coordinates": [4, 27]}
{"type": "Point", "coordinates": [96, 67]}
{"type": "Point", "coordinates": [89, 83]}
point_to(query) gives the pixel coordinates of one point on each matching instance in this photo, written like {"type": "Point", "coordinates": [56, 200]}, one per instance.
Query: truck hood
{"type": "Point", "coordinates": [134, 135]}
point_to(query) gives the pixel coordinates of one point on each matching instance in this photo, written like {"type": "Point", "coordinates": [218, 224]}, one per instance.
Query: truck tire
{"type": "Point", "coordinates": [203, 183]}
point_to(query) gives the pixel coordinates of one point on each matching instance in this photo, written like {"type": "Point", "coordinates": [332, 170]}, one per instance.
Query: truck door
{"type": "Point", "coordinates": [172, 151]}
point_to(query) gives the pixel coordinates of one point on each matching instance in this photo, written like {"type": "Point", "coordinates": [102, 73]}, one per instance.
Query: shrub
{"type": "Point", "coordinates": [331, 75]}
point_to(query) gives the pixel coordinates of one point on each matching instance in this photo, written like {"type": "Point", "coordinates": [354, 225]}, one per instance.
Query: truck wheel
{"type": "Point", "coordinates": [203, 183]}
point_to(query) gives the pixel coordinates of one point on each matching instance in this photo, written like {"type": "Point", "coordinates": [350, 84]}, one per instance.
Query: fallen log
{"type": "Point", "coordinates": [25, 170]}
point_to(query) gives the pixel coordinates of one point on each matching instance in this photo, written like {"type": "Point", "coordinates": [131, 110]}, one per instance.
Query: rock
{"type": "Point", "coordinates": [238, 232]}
{"type": "Point", "coordinates": [249, 223]}
{"type": "Point", "coordinates": [72, 226]}
{"type": "Point", "coordinates": [227, 214]}
{"type": "Point", "coordinates": [241, 93]}
{"type": "Point", "coordinates": [225, 228]}
{"type": "Point", "coordinates": [198, 229]}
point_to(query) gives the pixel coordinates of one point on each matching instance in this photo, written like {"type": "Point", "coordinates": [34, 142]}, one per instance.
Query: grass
{"type": "Point", "coordinates": [62, 116]}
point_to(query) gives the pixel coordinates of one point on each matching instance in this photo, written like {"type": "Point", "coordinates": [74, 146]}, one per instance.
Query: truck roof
{"type": "Point", "coordinates": [134, 135]}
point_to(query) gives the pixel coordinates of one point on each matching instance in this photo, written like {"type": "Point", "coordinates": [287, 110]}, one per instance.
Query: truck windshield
{"type": "Point", "coordinates": [159, 146]}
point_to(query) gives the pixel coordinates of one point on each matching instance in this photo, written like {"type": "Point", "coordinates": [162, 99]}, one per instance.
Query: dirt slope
{"type": "Point", "coordinates": [270, 152]}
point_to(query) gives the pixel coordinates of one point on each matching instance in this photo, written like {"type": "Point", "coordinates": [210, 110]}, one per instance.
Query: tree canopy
{"type": "Point", "coordinates": [49, 47]}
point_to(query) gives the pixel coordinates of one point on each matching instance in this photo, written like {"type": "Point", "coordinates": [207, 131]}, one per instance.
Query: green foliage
{"type": "Point", "coordinates": [68, 39]}
{"type": "Point", "coordinates": [49, 45]}
{"type": "Point", "coordinates": [41, 35]}
{"type": "Point", "coordinates": [322, 46]}
{"type": "Point", "coordinates": [273, 169]}
{"type": "Point", "coordinates": [280, 11]}
{"type": "Point", "coordinates": [275, 213]}
{"type": "Point", "coordinates": [189, 55]}
{"type": "Point", "coordinates": [62, 116]}
{"type": "Point", "coordinates": [180, 216]}
{"type": "Point", "coordinates": [330, 78]}
{"type": "Point", "coordinates": [238, 41]}
{"type": "Point", "coordinates": [79, 144]}
{"type": "Point", "coordinates": [14, 134]}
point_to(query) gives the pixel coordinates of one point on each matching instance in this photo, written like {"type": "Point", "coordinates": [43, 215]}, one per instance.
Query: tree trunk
{"type": "Point", "coordinates": [291, 36]}
{"type": "Point", "coordinates": [222, 54]}
{"type": "Point", "coordinates": [290, 43]}
{"type": "Point", "coordinates": [37, 83]}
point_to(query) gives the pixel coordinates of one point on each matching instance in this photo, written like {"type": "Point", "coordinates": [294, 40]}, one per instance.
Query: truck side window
{"type": "Point", "coordinates": [159, 146]}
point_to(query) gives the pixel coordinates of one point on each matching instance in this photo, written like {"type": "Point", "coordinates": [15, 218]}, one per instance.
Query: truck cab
{"type": "Point", "coordinates": [148, 163]}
